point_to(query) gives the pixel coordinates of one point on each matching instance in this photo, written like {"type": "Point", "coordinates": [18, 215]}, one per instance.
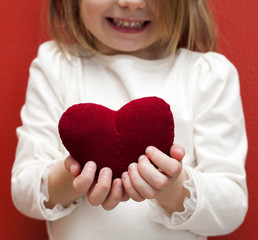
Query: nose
{"type": "Point", "coordinates": [132, 4]}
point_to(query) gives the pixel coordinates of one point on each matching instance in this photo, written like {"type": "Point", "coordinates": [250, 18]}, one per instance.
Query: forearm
{"type": "Point", "coordinates": [60, 187]}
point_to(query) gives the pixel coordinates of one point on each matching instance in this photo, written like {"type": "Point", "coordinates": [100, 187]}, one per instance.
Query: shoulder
{"type": "Point", "coordinates": [54, 63]}
{"type": "Point", "coordinates": [204, 61]}
{"type": "Point", "coordinates": [48, 47]}
{"type": "Point", "coordinates": [207, 69]}
{"type": "Point", "coordinates": [49, 60]}
{"type": "Point", "coordinates": [207, 78]}
{"type": "Point", "coordinates": [49, 54]}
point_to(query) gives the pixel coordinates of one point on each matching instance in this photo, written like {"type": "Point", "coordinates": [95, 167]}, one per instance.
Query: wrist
{"type": "Point", "coordinates": [172, 198]}
{"type": "Point", "coordinates": [60, 187]}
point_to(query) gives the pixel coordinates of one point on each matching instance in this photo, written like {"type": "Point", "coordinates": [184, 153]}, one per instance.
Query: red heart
{"type": "Point", "coordinates": [116, 138]}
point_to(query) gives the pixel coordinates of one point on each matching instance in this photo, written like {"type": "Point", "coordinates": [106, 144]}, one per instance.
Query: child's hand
{"type": "Point", "coordinates": [165, 183]}
{"type": "Point", "coordinates": [104, 192]}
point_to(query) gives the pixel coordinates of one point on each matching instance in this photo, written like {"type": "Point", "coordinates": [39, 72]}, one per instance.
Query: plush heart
{"type": "Point", "coordinates": [116, 138]}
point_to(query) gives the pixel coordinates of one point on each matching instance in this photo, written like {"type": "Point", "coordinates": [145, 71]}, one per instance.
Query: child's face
{"type": "Point", "coordinates": [123, 26]}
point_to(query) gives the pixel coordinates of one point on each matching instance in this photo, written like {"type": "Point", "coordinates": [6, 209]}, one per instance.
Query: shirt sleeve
{"type": "Point", "coordinates": [220, 148]}
{"type": "Point", "coordinates": [160, 214]}
{"type": "Point", "coordinates": [58, 211]}
{"type": "Point", "coordinates": [39, 146]}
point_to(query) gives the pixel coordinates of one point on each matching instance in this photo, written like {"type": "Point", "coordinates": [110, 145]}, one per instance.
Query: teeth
{"type": "Point", "coordinates": [127, 24]}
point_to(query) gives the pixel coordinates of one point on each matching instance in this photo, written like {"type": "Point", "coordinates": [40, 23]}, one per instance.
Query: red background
{"type": "Point", "coordinates": [21, 29]}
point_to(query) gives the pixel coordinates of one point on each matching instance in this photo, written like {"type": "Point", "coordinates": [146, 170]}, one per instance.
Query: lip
{"type": "Point", "coordinates": [132, 26]}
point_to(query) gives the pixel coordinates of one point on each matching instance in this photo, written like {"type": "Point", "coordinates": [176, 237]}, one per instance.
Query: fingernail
{"type": "Point", "coordinates": [118, 184]}
{"type": "Point", "coordinates": [132, 166]}
{"type": "Point", "coordinates": [180, 150]}
{"type": "Point", "coordinates": [107, 173]}
{"type": "Point", "coordinates": [141, 157]}
{"type": "Point", "coordinates": [125, 175]}
{"type": "Point", "coordinates": [149, 150]}
{"type": "Point", "coordinates": [73, 169]}
{"type": "Point", "coordinates": [91, 165]}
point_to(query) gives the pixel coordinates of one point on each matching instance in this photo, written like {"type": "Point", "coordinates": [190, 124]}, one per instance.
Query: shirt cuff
{"type": "Point", "coordinates": [58, 211]}
{"type": "Point", "coordinates": [161, 215]}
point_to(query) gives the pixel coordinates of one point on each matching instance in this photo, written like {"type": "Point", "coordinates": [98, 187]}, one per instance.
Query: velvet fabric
{"type": "Point", "coordinates": [114, 139]}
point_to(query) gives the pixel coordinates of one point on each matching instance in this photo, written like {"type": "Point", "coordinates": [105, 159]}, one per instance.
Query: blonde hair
{"type": "Point", "coordinates": [182, 23]}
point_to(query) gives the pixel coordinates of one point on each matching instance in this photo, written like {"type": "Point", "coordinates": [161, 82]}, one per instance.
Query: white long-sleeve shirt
{"type": "Point", "coordinates": [203, 92]}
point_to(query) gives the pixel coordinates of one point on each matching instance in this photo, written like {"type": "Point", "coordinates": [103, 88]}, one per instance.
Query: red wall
{"type": "Point", "coordinates": [21, 33]}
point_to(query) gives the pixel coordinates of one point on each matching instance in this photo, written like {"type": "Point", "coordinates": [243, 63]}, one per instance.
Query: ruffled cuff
{"type": "Point", "coordinates": [58, 211]}
{"type": "Point", "coordinates": [161, 215]}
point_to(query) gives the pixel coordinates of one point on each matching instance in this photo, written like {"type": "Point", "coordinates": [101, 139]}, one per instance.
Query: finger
{"type": "Point", "coordinates": [129, 188]}
{"type": "Point", "coordinates": [157, 179]}
{"type": "Point", "coordinates": [115, 195]}
{"type": "Point", "coordinates": [177, 152]}
{"type": "Point", "coordinates": [141, 186]}
{"type": "Point", "coordinates": [168, 165]}
{"type": "Point", "coordinates": [73, 166]}
{"type": "Point", "coordinates": [125, 197]}
{"type": "Point", "coordinates": [83, 182]}
{"type": "Point", "coordinates": [100, 191]}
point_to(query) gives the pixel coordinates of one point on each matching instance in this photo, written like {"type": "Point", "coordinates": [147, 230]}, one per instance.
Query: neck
{"type": "Point", "coordinates": [153, 52]}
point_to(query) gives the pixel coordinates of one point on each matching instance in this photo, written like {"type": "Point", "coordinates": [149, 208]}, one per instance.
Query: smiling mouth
{"type": "Point", "coordinates": [128, 24]}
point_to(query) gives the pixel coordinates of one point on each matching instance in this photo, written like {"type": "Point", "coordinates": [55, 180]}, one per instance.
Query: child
{"type": "Point", "coordinates": [110, 52]}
